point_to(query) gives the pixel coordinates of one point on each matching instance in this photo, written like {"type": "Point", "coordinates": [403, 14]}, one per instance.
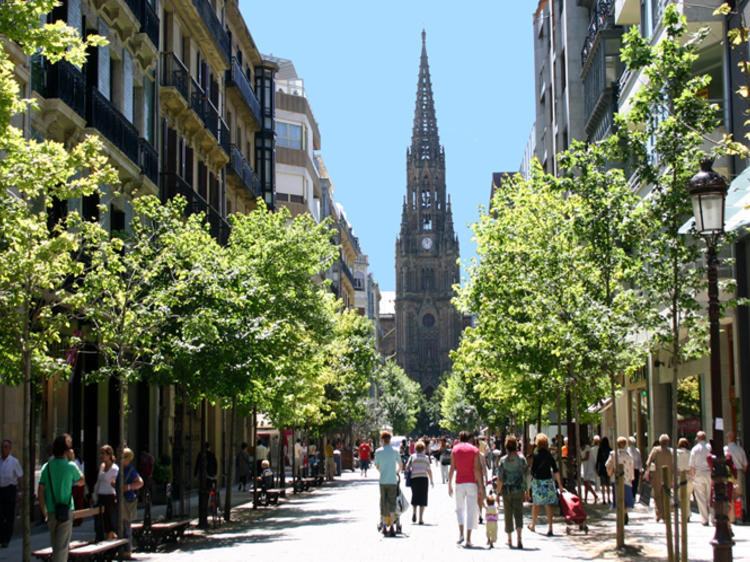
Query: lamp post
{"type": "Point", "coordinates": [707, 190]}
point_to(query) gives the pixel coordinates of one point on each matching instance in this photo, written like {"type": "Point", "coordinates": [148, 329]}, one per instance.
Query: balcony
{"type": "Point", "coordinates": [236, 79]}
{"type": "Point", "coordinates": [112, 124]}
{"type": "Point", "coordinates": [346, 271]}
{"type": "Point", "coordinates": [241, 168]}
{"type": "Point", "coordinates": [601, 19]}
{"type": "Point", "coordinates": [173, 185]}
{"type": "Point", "coordinates": [219, 35]}
{"type": "Point", "coordinates": [148, 160]}
{"type": "Point", "coordinates": [223, 136]}
{"type": "Point", "coordinates": [149, 22]}
{"type": "Point", "coordinates": [62, 81]}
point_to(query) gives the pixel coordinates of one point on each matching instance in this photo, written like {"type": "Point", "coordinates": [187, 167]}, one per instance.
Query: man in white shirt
{"type": "Point", "coordinates": [11, 484]}
{"type": "Point", "coordinates": [635, 454]}
{"type": "Point", "coordinates": [701, 475]}
{"type": "Point", "coordinates": [740, 462]}
{"type": "Point", "coordinates": [297, 457]}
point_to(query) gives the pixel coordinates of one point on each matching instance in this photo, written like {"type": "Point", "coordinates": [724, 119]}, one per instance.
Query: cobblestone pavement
{"type": "Point", "coordinates": [338, 521]}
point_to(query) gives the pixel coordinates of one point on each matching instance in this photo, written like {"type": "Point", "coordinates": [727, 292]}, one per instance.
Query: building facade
{"type": "Point", "coordinates": [428, 326]}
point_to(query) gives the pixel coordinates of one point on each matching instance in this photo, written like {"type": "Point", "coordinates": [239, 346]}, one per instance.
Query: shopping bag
{"type": "Point", "coordinates": [402, 504]}
{"type": "Point", "coordinates": [645, 496]}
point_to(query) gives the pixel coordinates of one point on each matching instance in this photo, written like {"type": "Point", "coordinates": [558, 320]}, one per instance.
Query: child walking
{"type": "Point", "coordinates": [490, 515]}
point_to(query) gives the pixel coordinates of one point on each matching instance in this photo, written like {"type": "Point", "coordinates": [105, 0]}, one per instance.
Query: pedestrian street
{"type": "Point", "coordinates": [339, 522]}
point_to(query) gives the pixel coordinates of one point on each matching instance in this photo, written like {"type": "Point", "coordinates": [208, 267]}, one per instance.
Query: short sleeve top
{"type": "Point", "coordinates": [419, 463]}
{"type": "Point", "coordinates": [543, 464]}
{"type": "Point", "coordinates": [463, 456]}
{"type": "Point", "coordinates": [386, 459]}
{"type": "Point", "coordinates": [59, 474]}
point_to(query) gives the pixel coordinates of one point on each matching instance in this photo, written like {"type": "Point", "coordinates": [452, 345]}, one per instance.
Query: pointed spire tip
{"type": "Point", "coordinates": [424, 36]}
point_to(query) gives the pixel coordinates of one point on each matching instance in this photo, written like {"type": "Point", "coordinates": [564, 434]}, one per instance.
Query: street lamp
{"type": "Point", "coordinates": [708, 191]}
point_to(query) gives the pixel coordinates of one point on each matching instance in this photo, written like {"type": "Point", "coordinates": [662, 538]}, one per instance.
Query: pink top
{"type": "Point", "coordinates": [464, 455]}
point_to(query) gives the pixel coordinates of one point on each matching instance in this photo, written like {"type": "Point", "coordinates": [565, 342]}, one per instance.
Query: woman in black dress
{"type": "Point", "coordinates": [601, 469]}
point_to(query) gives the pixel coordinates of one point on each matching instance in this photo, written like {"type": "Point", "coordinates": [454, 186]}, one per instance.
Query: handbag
{"type": "Point", "coordinates": [62, 510]}
{"type": "Point", "coordinates": [645, 496]}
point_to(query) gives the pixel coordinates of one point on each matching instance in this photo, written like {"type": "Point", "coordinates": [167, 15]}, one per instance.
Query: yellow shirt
{"type": "Point", "coordinates": [329, 450]}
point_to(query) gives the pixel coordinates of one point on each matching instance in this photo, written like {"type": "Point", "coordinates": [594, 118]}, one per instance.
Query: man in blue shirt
{"type": "Point", "coordinates": [388, 462]}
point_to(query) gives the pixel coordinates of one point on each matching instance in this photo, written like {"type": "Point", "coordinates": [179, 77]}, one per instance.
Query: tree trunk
{"type": "Point", "coordinates": [620, 514]}
{"type": "Point", "coordinates": [123, 386]}
{"type": "Point", "coordinates": [178, 450]}
{"type": "Point", "coordinates": [28, 470]}
{"type": "Point", "coordinates": [230, 462]}
{"type": "Point", "coordinates": [254, 468]}
{"type": "Point", "coordinates": [578, 440]}
{"type": "Point", "coordinates": [282, 467]}
{"type": "Point", "coordinates": [620, 501]}
{"type": "Point", "coordinates": [202, 488]}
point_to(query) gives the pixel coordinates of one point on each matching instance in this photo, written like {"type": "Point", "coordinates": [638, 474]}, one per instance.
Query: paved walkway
{"type": "Point", "coordinates": [338, 522]}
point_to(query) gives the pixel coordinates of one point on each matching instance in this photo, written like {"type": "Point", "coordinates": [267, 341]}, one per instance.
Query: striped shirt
{"type": "Point", "coordinates": [420, 465]}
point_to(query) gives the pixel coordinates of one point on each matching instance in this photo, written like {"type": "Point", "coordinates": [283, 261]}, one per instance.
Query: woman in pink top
{"type": "Point", "coordinates": [469, 489]}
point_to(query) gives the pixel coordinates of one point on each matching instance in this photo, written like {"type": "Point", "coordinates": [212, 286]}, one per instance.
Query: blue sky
{"type": "Point", "coordinates": [359, 62]}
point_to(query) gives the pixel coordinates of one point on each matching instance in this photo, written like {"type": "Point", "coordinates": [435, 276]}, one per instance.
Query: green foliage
{"type": "Point", "coordinates": [398, 399]}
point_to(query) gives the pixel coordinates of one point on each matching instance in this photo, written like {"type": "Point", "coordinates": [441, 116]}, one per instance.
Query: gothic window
{"type": "Point", "coordinates": [428, 320]}
{"type": "Point", "coordinates": [413, 199]}
{"type": "Point", "coordinates": [426, 223]}
{"type": "Point", "coordinates": [428, 279]}
{"type": "Point", "coordinates": [426, 198]}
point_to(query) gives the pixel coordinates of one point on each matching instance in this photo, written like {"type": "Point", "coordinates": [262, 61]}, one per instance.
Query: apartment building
{"type": "Point", "coordinates": [183, 103]}
{"type": "Point", "coordinates": [559, 30]}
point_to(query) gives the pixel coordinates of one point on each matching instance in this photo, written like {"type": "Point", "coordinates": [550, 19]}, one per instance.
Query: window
{"type": "Point", "coordinates": [289, 135]}
{"type": "Point", "coordinates": [426, 223]}
{"type": "Point", "coordinates": [359, 281]}
{"type": "Point", "coordinates": [428, 320]}
{"type": "Point", "coordinates": [426, 198]}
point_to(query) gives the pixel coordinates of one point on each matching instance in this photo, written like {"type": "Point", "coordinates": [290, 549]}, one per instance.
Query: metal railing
{"type": "Point", "coordinates": [601, 19]}
{"type": "Point", "coordinates": [172, 185]}
{"type": "Point", "coordinates": [149, 22]}
{"type": "Point", "coordinates": [237, 78]}
{"type": "Point", "coordinates": [223, 137]}
{"type": "Point", "coordinates": [241, 168]}
{"type": "Point", "coordinates": [64, 81]}
{"type": "Point", "coordinates": [148, 160]}
{"type": "Point", "coordinates": [346, 271]}
{"type": "Point", "coordinates": [208, 15]}
{"type": "Point", "coordinates": [175, 74]}
{"type": "Point", "coordinates": [104, 117]}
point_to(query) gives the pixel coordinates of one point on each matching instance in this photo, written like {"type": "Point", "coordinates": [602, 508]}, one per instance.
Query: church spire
{"type": "Point", "coordinates": [425, 142]}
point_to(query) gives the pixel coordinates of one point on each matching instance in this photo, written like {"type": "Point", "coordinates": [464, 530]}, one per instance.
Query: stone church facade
{"type": "Point", "coordinates": [428, 326]}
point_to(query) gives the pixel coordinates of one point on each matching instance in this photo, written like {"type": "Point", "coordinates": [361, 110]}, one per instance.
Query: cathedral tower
{"type": "Point", "coordinates": [427, 324]}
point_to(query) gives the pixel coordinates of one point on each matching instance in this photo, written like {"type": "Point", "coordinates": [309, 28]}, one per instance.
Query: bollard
{"type": "Point", "coordinates": [685, 513]}
{"type": "Point", "coordinates": [667, 510]}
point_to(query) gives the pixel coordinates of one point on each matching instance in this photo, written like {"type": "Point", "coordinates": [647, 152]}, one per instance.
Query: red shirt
{"type": "Point", "coordinates": [463, 456]}
{"type": "Point", "coordinates": [364, 452]}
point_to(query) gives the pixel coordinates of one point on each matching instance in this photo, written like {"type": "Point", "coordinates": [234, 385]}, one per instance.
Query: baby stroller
{"type": "Point", "coordinates": [573, 511]}
{"type": "Point", "coordinates": [402, 506]}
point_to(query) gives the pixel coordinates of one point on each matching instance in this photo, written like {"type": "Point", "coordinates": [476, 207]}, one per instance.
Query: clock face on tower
{"type": "Point", "coordinates": [427, 242]}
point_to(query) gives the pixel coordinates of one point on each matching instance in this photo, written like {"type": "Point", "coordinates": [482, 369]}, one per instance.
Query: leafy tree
{"type": "Point", "coordinates": [134, 287]}
{"type": "Point", "coordinates": [398, 398]}
{"type": "Point", "coordinates": [664, 133]}
{"type": "Point", "coordinates": [350, 360]}
{"type": "Point", "coordinates": [37, 267]}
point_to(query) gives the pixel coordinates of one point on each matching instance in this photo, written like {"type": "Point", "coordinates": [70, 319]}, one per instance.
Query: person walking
{"type": "Point", "coordinates": [133, 482]}
{"type": "Point", "coordinates": [11, 485]}
{"type": "Point", "coordinates": [490, 511]}
{"type": "Point", "coordinates": [659, 457]}
{"type": "Point", "coordinates": [701, 472]}
{"type": "Point", "coordinates": [635, 454]}
{"type": "Point", "coordinates": [623, 457]}
{"type": "Point", "coordinates": [588, 471]}
{"type": "Point", "coordinates": [388, 463]}
{"type": "Point", "coordinates": [543, 467]}
{"type": "Point", "coordinates": [242, 463]}
{"type": "Point", "coordinates": [55, 491]}
{"type": "Point", "coordinates": [445, 459]}
{"type": "Point", "coordinates": [602, 455]}
{"type": "Point", "coordinates": [469, 489]}
{"type": "Point", "coordinates": [419, 467]}
{"type": "Point", "coordinates": [105, 490]}
{"type": "Point", "coordinates": [297, 458]}
{"type": "Point", "coordinates": [739, 457]}
{"type": "Point", "coordinates": [683, 465]}
{"type": "Point", "coordinates": [330, 462]}
{"type": "Point", "coordinates": [512, 477]}
{"type": "Point", "coordinates": [364, 457]}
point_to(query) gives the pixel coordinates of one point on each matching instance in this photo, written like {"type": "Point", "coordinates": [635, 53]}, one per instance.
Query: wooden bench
{"type": "Point", "coordinates": [148, 538]}
{"type": "Point", "coordinates": [99, 551]}
{"type": "Point", "coordinates": [46, 553]}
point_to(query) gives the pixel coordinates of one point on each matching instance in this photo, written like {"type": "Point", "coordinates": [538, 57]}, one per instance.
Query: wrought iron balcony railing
{"type": "Point", "coordinates": [223, 137]}
{"type": "Point", "coordinates": [208, 15]}
{"type": "Point", "coordinates": [64, 81]}
{"type": "Point", "coordinates": [346, 271]}
{"type": "Point", "coordinates": [235, 77]}
{"type": "Point", "coordinates": [148, 160]}
{"type": "Point", "coordinates": [175, 74]}
{"type": "Point", "coordinates": [173, 185]}
{"type": "Point", "coordinates": [149, 22]}
{"type": "Point", "coordinates": [241, 168]}
{"type": "Point", "coordinates": [602, 18]}
{"type": "Point", "coordinates": [104, 117]}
